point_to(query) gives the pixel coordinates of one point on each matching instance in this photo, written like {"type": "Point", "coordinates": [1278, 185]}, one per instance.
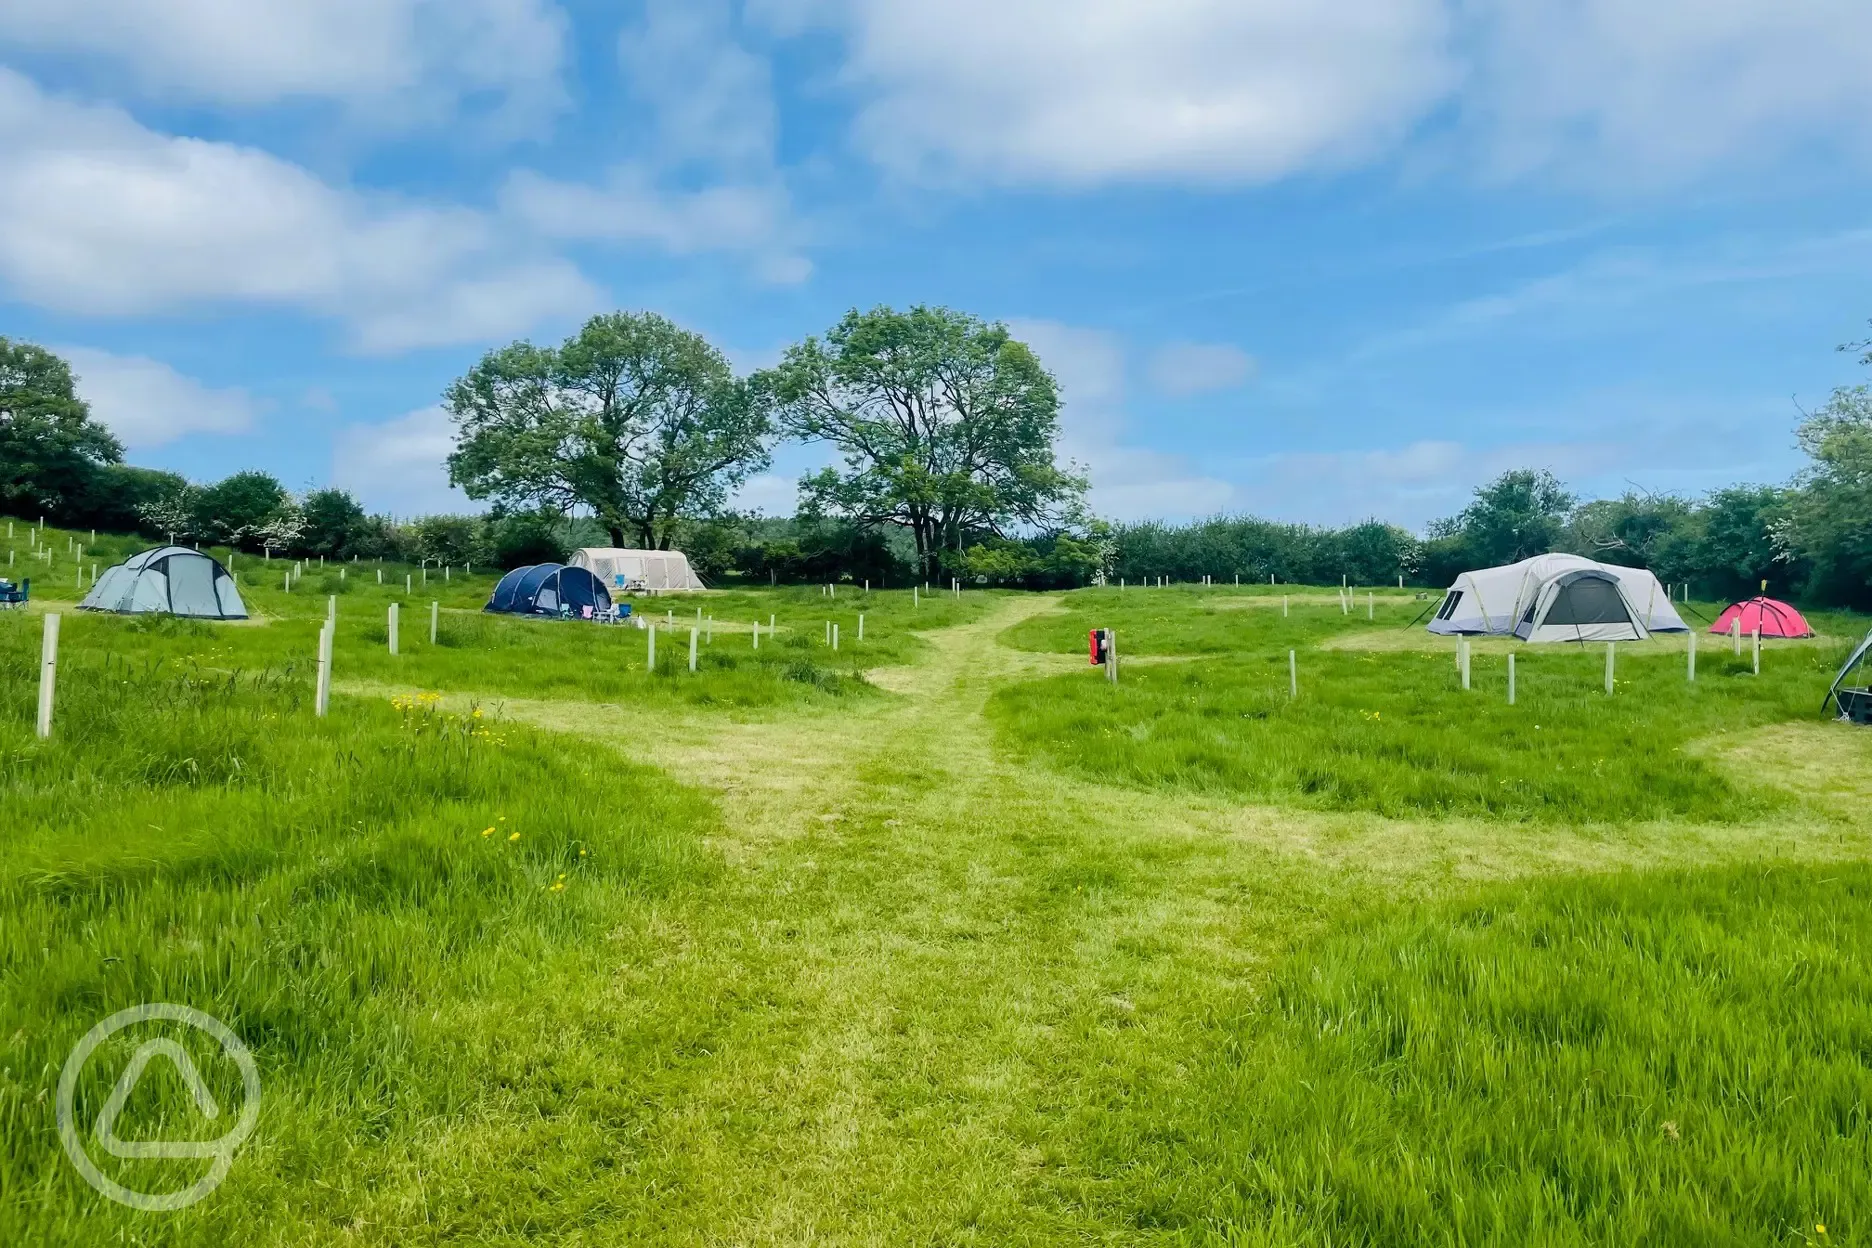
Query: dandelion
{"type": "Point", "coordinates": [487, 831]}
{"type": "Point", "coordinates": [513, 836]}
{"type": "Point", "coordinates": [581, 853]}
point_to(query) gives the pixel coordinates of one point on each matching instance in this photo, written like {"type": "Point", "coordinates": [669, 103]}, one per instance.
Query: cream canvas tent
{"type": "Point", "coordinates": [624, 570]}
{"type": "Point", "coordinates": [172, 580]}
{"type": "Point", "coordinates": [1558, 598]}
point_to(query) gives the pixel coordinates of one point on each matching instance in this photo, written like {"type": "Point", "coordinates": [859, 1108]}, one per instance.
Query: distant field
{"type": "Point", "coordinates": [940, 938]}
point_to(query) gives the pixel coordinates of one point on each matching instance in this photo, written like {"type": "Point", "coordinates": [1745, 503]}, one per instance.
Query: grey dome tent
{"type": "Point", "coordinates": [548, 589]}
{"type": "Point", "coordinates": [171, 580]}
{"type": "Point", "coordinates": [1558, 598]}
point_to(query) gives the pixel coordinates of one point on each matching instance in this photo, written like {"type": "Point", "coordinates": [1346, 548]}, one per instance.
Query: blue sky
{"type": "Point", "coordinates": [1308, 261]}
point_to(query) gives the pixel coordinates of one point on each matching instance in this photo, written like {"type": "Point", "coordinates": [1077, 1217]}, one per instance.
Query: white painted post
{"type": "Point", "coordinates": [867, 584]}
{"type": "Point", "coordinates": [1692, 659]}
{"type": "Point", "coordinates": [288, 582]}
{"type": "Point", "coordinates": [1371, 605]}
{"type": "Point", "coordinates": [425, 574]}
{"type": "Point", "coordinates": [835, 636]}
{"type": "Point", "coordinates": [435, 616]}
{"type": "Point", "coordinates": [1293, 675]}
{"type": "Point", "coordinates": [914, 601]}
{"type": "Point", "coordinates": [1462, 660]}
{"type": "Point", "coordinates": [861, 626]}
{"type": "Point", "coordinates": [1511, 680]}
{"type": "Point", "coordinates": [770, 626]}
{"type": "Point", "coordinates": [650, 663]}
{"type": "Point", "coordinates": [1735, 632]}
{"type": "Point", "coordinates": [321, 697]}
{"type": "Point", "coordinates": [1611, 661]}
{"type": "Point", "coordinates": [341, 575]}
{"type": "Point", "coordinates": [828, 632]}
{"type": "Point", "coordinates": [1758, 649]}
{"type": "Point", "coordinates": [408, 587]}
{"type": "Point", "coordinates": [709, 632]}
{"type": "Point", "coordinates": [448, 575]}
{"type": "Point", "coordinates": [1400, 582]}
{"type": "Point", "coordinates": [394, 628]}
{"type": "Point", "coordinates": [757, 634]}
{"type": "Point", "coordinates": [331, 608]}
{"type": "Point", "coordinates": [1111, 655]}
{"type": "Point", "coordinates": [1283, 606]}
{"type": "Point", "coordinates": [48, 674]}
{"type": "Point", "coordinates": [692, 649]}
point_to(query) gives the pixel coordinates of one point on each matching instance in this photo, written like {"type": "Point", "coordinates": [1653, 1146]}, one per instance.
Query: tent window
{"type": "Point", "coordinates": [1588, 600]}
{"type": "Point", "coordinates": [1449, 605]}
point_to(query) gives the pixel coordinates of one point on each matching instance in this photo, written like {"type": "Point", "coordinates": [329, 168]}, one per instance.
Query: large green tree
{"type": "Point", "coordinates": [638, 420]}
{"type": "Point", "coordinates": [1829, 520]}
{"type": "Point", "coordinates": [50, 448]}
{"type": "Point", "coordinates": [238, 509]}
{"type": "Point", "coordinates": [946, 425]}
{"type": "Point", "coordinates": [1518, 514]}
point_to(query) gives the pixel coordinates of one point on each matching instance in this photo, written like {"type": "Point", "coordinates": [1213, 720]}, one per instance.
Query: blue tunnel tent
{"type": "Point", "coordinates": [548, 589]}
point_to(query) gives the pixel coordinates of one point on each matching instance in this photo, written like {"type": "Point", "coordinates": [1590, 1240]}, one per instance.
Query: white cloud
{"type": "Point", "coordinates": [1081, 91]}
{"type": "Point", "coordinates": [1661, 91]}
{"type": "Point", "coordinates": [402, 58]}
{"type": "Point", "coordinates": [1183, 369]}
{"type": "Point", "coordinates": [399, 466]}
{"type": "Point", "coordinates": [709, 181]}
{"type": "Point", "coordinates": [147, 403]}
{"type": "Point", "coordinates": [711, 98]}
{"type": "Point", "coordinates": [99, 215]}
{"type": "Point", "coordinates": [630, 208]}
{"type": "Point", "coordinates": [1128, 482]}
{"type": "Point", "coordinates": [1076, 92]}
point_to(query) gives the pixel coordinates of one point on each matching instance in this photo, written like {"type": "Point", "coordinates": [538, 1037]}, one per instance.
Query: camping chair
{"type": "Point", "coordinates": [12, 596]}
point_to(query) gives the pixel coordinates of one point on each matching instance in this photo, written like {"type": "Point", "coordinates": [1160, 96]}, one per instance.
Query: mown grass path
{"type": "Point", "coordinates": [942, 996]}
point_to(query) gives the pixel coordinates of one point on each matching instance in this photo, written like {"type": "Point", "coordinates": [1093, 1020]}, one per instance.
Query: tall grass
{"type": "Point", "coordinates": [1677, 1058]}
{"type": "Point", "coordinates": [372, 901]}
{"type": "Point", "coordinates": [1395, 733]}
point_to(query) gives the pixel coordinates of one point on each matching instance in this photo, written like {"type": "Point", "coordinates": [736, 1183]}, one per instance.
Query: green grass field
{"type": "Point", "coordinates": [941, 939]}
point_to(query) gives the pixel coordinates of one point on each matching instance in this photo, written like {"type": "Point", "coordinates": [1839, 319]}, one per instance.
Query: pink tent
{"type": "Point", "coordinates": [1774, 617]}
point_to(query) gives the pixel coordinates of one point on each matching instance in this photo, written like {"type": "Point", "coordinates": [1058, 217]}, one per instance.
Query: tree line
{"type": "Point", "coordinates": [635, 431]}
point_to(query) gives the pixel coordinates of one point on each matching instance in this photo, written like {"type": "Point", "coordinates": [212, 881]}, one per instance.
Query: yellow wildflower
{"type": "Point", "coordinates": [487, 831]}
{"type": "Point", "coordinates": [514, 837]}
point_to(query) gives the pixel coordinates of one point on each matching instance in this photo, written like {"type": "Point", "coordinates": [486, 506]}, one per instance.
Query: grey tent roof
{"type": "Point", "coordinates": [171, 580]}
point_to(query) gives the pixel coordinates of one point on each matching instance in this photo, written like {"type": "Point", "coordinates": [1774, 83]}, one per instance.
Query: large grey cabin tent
{"type": "Point", "coordinates": [638, 569]}
{"type": "Point", "coordinates": [170, 580]}
{"type": "Point", "coordinates": [1558, 598]}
